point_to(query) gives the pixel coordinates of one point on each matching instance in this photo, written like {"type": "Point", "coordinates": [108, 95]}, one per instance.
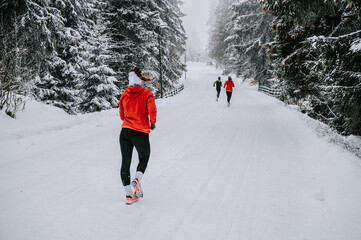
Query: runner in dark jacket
{"type": "Point", "coordinates": [218, 85]}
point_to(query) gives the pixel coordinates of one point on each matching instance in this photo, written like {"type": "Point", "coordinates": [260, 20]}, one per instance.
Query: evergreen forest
{"type": "Point", "coordinates": [310, 50]}
{"type": "Point", "coordinates": [76, 54]}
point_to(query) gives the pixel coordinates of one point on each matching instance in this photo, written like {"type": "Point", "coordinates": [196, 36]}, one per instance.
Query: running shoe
{"type": "Point", "coordinates": [137, 188]}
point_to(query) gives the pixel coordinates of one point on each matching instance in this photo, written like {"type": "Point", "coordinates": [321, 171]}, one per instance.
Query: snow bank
{"type": "Point", "coordinates": [39, 118]}
{"type": "Point", "coordinates": [350, 143]}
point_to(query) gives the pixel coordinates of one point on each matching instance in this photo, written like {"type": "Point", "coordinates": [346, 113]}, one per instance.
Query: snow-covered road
{"type": "Point", "coordinates": [255, 171]}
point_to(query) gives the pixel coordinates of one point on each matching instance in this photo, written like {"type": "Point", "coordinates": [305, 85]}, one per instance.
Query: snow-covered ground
{"type": "Point", "coordinates": [256, 170]}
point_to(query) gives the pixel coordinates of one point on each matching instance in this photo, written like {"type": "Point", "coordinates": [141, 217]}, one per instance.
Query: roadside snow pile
{"type": "Point", "coordinates": [350, 143]}
{"type": "Point", "coordinates": [35, 118]}
{"type": "Point", "coordinates": [38, 118]}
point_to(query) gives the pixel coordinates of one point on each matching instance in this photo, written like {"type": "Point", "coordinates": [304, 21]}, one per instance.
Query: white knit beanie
{"type": "Point", "coordinates": [134, 79]}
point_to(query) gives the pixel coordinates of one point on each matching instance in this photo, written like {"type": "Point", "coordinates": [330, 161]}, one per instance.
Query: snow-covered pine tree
{"type": "Point", "coordinates": [14, 73]}
{"type": "Point", "coordinates": [65, 31]}
{"type": "Point", "coordinates": [211, 23]}
{"type": "Point", "coordinates": [53, 38]}
{"type": "Point", "coordinates": [316, 49]}
{"type": "Point", "coordinates": [171, 42]}
{"type": "Point", "coordinates": [132, 24]}
{"type": "Point", "coordinates": [294, 21]}
{"type": "Point", "coordinates": [250, 33]}
{"type": "Point", "coordinates": [98, 89]}
{"type": "Point", "coordinates": [140, 29]}
{"type": "Point", "coordinates": [219, 32]}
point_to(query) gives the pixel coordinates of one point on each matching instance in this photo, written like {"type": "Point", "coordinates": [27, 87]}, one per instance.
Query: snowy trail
{"type": "Point", "coordinates": [255, 170]}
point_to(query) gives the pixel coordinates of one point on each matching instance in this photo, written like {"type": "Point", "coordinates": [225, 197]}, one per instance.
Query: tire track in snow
{"type": "Point", "coordinates": [240, 212]}
{"type": "Point", "coordinates": [212, 188]}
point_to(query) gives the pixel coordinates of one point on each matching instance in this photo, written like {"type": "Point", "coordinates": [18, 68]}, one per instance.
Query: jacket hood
{"type": "Point", "coordinates": [134, 91]}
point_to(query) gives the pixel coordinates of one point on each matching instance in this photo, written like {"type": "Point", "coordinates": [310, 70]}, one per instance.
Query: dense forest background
{"type": "Point", "coordinates": [76, 54]}
{"type": "Point", "coordinates": [310, 50]}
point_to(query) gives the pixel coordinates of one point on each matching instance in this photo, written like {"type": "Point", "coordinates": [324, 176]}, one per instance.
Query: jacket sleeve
{"type": "Point", "coordinates": [121, 109]}
{"type": "Point", "coordinates": [225, 83]}
{"type": "Point", "coordinates": [233, 84]}
{"type": "Point", "coordinates": [152, 108]}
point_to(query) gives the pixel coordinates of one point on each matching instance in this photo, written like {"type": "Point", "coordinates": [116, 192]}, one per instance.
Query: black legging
{"type": "Point", "coordinates": [218, 91]}
{"type": "Point", "coordinates": [129, 139]}
{"type": "Point", "coordinates": [229, 95]}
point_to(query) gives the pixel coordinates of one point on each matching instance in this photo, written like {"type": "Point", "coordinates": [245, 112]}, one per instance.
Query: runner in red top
{"type": "Point", "coordinates": [229, 84]}
{"type": "Point", "coordinates": [138, 111]}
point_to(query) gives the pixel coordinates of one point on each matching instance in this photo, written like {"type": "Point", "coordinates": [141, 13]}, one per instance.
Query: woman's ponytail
{"type": "Point", "coordinates": [138, 72]}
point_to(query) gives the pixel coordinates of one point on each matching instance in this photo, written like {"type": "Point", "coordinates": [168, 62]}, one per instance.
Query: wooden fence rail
{"type": "Point", "coordinates": [174, 91]}
{"type": "Point", "coordinates": [274, 92]}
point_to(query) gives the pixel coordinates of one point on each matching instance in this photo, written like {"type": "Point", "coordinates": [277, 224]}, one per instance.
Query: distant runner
{"type": "Point", "coordinates": [229, 84]}
{"type": "Point", "coordinates": [218, 85]}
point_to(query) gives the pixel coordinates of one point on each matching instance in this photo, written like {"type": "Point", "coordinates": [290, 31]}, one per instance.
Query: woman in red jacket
{"type": "Point", "coordinates": [138, 112]}
{"type": "Point", "coordinates": [229, 84]}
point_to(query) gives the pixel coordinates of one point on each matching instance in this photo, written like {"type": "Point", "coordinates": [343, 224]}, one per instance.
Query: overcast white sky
{"type": "Point", "coordinates": [197, 12]}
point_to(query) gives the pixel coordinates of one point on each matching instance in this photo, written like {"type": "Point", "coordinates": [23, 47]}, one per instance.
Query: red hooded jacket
{"type": "Point", "coordinates": [230, 85]}
{"type": "Point", "coordinates": [136, 108]}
